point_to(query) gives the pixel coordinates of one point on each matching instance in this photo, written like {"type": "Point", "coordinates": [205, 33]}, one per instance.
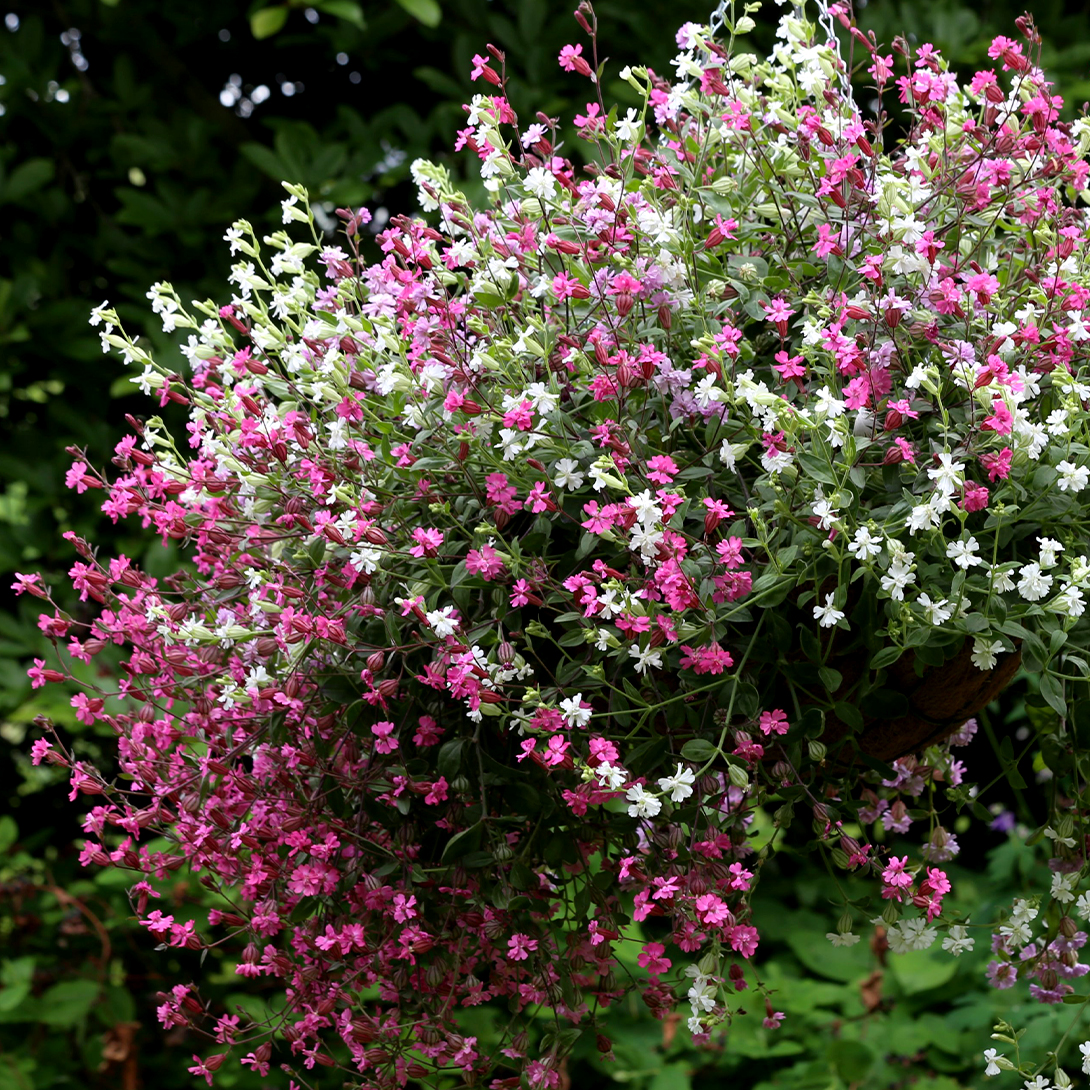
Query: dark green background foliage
{"type": "Point", "coordinates": [121, 165]}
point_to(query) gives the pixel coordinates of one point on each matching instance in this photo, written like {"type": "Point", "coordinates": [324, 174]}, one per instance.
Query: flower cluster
{"type": "Point", "coordinates": [507, 548]}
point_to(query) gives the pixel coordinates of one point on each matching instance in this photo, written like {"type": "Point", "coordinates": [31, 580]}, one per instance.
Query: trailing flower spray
{"type": "Point", "coordinates": [532, 564]}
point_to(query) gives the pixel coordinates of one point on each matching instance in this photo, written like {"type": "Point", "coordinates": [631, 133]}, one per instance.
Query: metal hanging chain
{"type": "Point", "coordinates": [825, 21]}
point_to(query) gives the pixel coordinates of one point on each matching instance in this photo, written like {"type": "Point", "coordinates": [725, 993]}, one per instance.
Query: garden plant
{"type": "Point", "coordinates": [548, 576]}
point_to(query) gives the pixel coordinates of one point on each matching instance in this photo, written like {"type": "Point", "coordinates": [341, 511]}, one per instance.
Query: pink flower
{"type": "Point", "coordinates": [484, 562]}
{"type": "Point", "coordinates": [1001, 420]}
{"type": "Point", "coordinates": [895, 873]}
{"type": "Point", "coordinates": [975, 497]}
{"type": "Point", "coordinates": [773, 722]}
{"type": "Point", "coordinates": [206, 1067]}
{"type": "Point", "coordinates": [744, 940]}
{"type": "Point", "coordinates": [520, 947]}
{"type": "Point", "coordinates": [661, 469]}
{"type": "Point", "coordinates": [384, 740]}
{"type": "Point", "coordinates": [521, 416]}
{"type": "Point", "coordinates": [157, 923]}
{"type": "Point", "coordinates": [39, 750]}
{"type": "Point", "coordinates": [710, 909]}
{"type": "Point", "coordinates": [404, 909]}
{"type": "Point", "coordinates": [998, 465]}
{"type": "Point", "coordinates": [540, 499]}
{"type": "Point", "coordinates": [571, 60]}
{"type": "Point", "coordinates": [825, 244]}
{"type": "Point", "coordinates": [651, 958]}
{"type": "Point", "coordinates": [740, 877]}
{"type": "Point", "coordinates": [522, 594]}
{"type": "Point", "coordinates": [427, 542]}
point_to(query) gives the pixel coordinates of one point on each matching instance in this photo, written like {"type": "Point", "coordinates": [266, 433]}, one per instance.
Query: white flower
{"type": "Point", "coordinates": [826, 513]}
{"type": "Point", "coordinates": [650, 657]}
{"type": "Point", "coordinates": [961, 553]}
{"type": "Point", "coordinates": [922, 516]}
{"type": "Point", "coordinates": [1033, 584]}
{"type": "Point", "coordinates": [679, 784]}
{"type": "Point", "coordinates": [911, 935]}
{"type": "Point", "coordinates": [1082, 908]}
{"type": "Point", "coordinates": [993, 1068]}
{"type": "Point", "coordinates": [1062, 888]}
{"type": "Point", "coordinates": [610, 776]}
{"type": "Point", "coordinates": [1017, 931]}
{"type": "Point", "coordinates": [1072, 477]}
{"type": "Point", "coordinates": [646, 507]}
{"type": "Point", "coordinates": [774, 461]}
{"type": "Point", "coordinates": [628, 127]}
{"type": "Point", "coordinates": [841, 938]}
{"type": "Point", "coordinates": [576, 715]}
{"type": "Point", "coordinates": [1002, 583]}
{"type": "Point", "coordinates": [641, 803]}
{"type": "Point", "coordinates": [985, 652]}
{"type": "Point", "coordinates": [234, 237]}
{"type": "Point", "coordinates": [947, 475]}
{"type": "Point", "coordinates": [1084, 1048]}
{"type": "Point", "coordinates": [441, 622]}
{"type": "Point", "coordinates": [899, 576]}
{"type": "Point", "coordinates": [1024, 911]}
{"type": "Point", "coordinates": [1049, 549]}
{"type": "Point", "coordinates": [865, 546]}
{"type": "Point", "coordinates": [702, 995]}
{"type": "Point", "coordinates": [828, 615]}
{"type": "Point", "coordinates": [937, 612]}
{"type": "Point", "coordinates": [827, 404]}
{"type": "Point", "coordinates": [541, 183]}
{"type": "Point", "coordinates": [1066, 841]}
{"type": "Point", "coordinates": [1069, 601]}
{"type": "Point", "coordinates": [567, 474]}
{"type": "Point", "coordinates": [1037, 1083]}
{"type": "Point", "coordinates": [958, 940]}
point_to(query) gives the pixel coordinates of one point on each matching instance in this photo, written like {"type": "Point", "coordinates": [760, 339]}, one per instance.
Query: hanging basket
{"type": "Point", "coordinates": [940, 699]}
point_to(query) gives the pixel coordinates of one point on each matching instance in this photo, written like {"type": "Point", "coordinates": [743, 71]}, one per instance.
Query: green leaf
{"type": "Point", "coordinates": [842, 963]}
{"type": "Point", "coordinates": [476, 860]}
{"type": "Point", "coordinates": [922, 970]}
{"type": "Point", "coordinates": [817, 468]}
{"type": "Point", "coordinates": [468, 840]}
{"type": "Point", "coordinates": [348, 10]}
{"type": "Point", "coordinates": [67, 1003]}
{"type": "Point", "coordinates": [427, 12]}
{"type": "Point", "coordinates": [886, 657]}
{"type": "Point", "coordinates": [830, 678]}
{"type": "Point", "coordinates": [672, 1077]}
{"type": "Point", "coordinates": [848, 714]}
{"type": "Point", "coordinates": [25, 179]}
{"type": "Point", "coordinates": [698, 750]}
{"type": "Point", "coordinates": [852, 1060]}
{"type": "Point", "coordinates": [9, 832]}
{"type": "Point", "coordinates": [265, 23]}
{"type": "Point", "coordinates": [1052, 691]}
{"type": "Point", "coordinates": [450, 758]}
